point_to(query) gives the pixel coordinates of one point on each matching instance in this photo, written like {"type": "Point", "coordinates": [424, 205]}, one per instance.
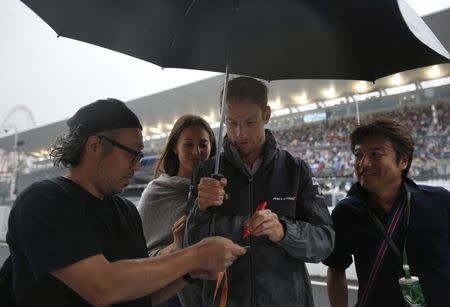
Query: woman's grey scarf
{"type": "Point", "coordinates": [162, 203]}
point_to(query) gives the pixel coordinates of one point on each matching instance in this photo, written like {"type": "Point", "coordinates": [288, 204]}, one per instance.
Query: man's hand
{"type": "Point", "coordinates": [178, 231]}
{"type": "Point", "coordinates": [211, 192]}
{"type": "Point", "coordinates": [265, 222]}
{"type": "Point", "coordinates": [215, 254]}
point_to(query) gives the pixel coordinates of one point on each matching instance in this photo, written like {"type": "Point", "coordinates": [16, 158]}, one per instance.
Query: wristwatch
{"type": "Point", "coordinates": [187, 277]}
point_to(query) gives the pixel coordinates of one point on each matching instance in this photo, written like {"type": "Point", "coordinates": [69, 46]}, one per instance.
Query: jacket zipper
{"type": "Point", "coordinates": [250, 206]}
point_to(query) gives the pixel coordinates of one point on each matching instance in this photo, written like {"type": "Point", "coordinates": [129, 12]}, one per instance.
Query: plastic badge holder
{"type": "Point", "coordinates": [411, 291]}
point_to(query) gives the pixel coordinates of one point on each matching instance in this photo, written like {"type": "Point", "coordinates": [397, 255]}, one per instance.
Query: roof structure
{"type": "Point", "coordinates": [159, 110]}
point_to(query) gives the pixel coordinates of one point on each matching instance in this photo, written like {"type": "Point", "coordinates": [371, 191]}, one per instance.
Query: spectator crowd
{"type": "Point", "coordinates": [325, 144]}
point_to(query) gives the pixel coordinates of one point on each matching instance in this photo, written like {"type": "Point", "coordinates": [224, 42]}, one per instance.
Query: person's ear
{"type": "Point", "coordinates": [403, 163]}
{"type": "Point", "coordinates": [93, 147]}
{"type": "Point", "coordinates": [266, 114]}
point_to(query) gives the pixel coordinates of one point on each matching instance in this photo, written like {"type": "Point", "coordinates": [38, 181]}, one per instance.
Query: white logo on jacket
{"type": "Point", "coordinates": [284, 198]}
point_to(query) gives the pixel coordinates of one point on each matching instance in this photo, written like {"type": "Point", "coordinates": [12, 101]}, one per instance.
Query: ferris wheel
{"type": "Point", "coordinates": [20, 118]}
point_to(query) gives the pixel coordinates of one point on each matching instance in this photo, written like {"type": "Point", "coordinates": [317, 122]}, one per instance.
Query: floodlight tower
{"type": "Point", "coordinates": [12, 187]}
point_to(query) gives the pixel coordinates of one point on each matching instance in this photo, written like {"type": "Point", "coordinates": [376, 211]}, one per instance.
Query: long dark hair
{"type": "Point", "coordinates": [168, 162]}
{"type": "Point", "coordinates": [68, 149]}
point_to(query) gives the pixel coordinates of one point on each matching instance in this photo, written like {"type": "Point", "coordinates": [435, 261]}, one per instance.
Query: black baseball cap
{"type": "Point", "coordinates": [103, 115]}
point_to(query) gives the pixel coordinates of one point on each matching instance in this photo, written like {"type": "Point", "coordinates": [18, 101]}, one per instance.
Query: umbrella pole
{"type": "Point", "coordinates": [357, 111]}
{"type": "Point", "coordinates": [222, 119]}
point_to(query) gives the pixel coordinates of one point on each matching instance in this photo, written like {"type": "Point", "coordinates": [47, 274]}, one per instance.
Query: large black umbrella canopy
{"type": "Point", "coordinates": [267, 39]}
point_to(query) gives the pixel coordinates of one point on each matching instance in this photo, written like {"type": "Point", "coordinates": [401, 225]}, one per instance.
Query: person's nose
{"type": "Point", "coordinates": [238, 131]}
{"type": "Point", "coordinates": [136, 165]}
{"type": "Point", "coordinates": [196, 150]}
{"type": "Point", "coordinates": [365, 161]}
{"type": "Point", "coordinates": [241, 132]}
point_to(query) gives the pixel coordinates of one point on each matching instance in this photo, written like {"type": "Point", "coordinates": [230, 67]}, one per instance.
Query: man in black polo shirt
{"type": "Point", "coordinates": [385, 203]}
{"type": "Point", "coordinates": [74, 242]}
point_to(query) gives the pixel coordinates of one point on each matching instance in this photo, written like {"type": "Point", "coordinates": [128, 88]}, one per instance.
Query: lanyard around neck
{"type": "Point", "coordinates": [406, 205]}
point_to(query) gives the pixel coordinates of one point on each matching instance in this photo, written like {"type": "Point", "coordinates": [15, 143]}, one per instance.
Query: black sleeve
{"type": "Point", "coordinates": [137, 224]}
{"type": "Point", "coordinates": [53, 229]}
{"type": "Point", "coordinates": [340, 257]}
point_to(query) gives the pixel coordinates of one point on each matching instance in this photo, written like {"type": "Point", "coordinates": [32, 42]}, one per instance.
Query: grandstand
{"type": "Point", "coordinates": [319, 135]}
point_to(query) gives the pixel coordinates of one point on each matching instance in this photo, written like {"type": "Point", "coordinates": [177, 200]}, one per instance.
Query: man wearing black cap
{"type": "Point", "coordinates": [73, 242]}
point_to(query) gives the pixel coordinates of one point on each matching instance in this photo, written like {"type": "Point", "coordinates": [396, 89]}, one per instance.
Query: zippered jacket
{"type": "Point", "coordinates": [425, 231]}
{"type": "Point", "coordinates": [269, 274]}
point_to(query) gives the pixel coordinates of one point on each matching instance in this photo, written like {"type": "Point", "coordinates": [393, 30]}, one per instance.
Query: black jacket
{"type": "Point", "coordinates": [427, 244]}
{"type": "Point", "coordinates": [270, 274]}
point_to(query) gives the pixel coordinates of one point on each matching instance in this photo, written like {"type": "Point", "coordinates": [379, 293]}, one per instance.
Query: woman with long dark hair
{"type": "Point", "coordinates": [163, 203]}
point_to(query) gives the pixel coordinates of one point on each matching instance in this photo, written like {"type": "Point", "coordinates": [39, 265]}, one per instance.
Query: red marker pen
{"type": "Point", "coordinates": [260, 207]}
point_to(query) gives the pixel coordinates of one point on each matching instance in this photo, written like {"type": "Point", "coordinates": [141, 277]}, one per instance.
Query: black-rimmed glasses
{"type": "Point", "coordinates": [137, 155]}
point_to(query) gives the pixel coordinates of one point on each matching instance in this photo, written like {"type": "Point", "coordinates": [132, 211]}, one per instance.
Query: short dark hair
{"type": "Point", "coordinates": [242, 88]}
{"type": "Point", "coordinates": [168, 163]}
{"type": "Point", "coordinates": [389, 129]}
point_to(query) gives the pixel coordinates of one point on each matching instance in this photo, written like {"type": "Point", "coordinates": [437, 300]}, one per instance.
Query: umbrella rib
{"type": "Point", "coordinates": [177, 30]}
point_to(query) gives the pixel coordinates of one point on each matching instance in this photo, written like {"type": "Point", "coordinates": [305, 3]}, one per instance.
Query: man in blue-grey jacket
{"type": "Point", "coordinates": [294, 228]}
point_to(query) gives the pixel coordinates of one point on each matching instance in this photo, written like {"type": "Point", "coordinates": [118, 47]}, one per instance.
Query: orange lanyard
{"type": "Point", "coordinates": [223, 275]}
{"type": "Point", "coordinates": [224, 296]}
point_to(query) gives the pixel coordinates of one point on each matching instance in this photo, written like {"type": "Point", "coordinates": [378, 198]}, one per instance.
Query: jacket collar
{"type": "Point", "coordinates": [269, 151]}
{"type": "Point", "coordinates": [407, 185]}
{"type": "Point", "coordinates": [411, 186]}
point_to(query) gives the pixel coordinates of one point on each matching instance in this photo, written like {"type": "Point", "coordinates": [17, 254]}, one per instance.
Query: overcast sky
{"type": "Point", "coordinates": [54, 77]}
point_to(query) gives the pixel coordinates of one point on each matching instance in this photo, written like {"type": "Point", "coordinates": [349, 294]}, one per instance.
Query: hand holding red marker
{"type": "Point", "coordinates": [246, 233]}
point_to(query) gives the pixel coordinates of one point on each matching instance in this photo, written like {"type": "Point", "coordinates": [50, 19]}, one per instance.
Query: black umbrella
{"type": "Point", "coordinates": [267, 39]}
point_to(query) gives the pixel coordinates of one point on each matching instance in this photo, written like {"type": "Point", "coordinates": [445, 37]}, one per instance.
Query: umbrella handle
{"type": "Point", "coordinates": [212, 210]}
{"type": "Point", "coordinates": [217, 176]}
